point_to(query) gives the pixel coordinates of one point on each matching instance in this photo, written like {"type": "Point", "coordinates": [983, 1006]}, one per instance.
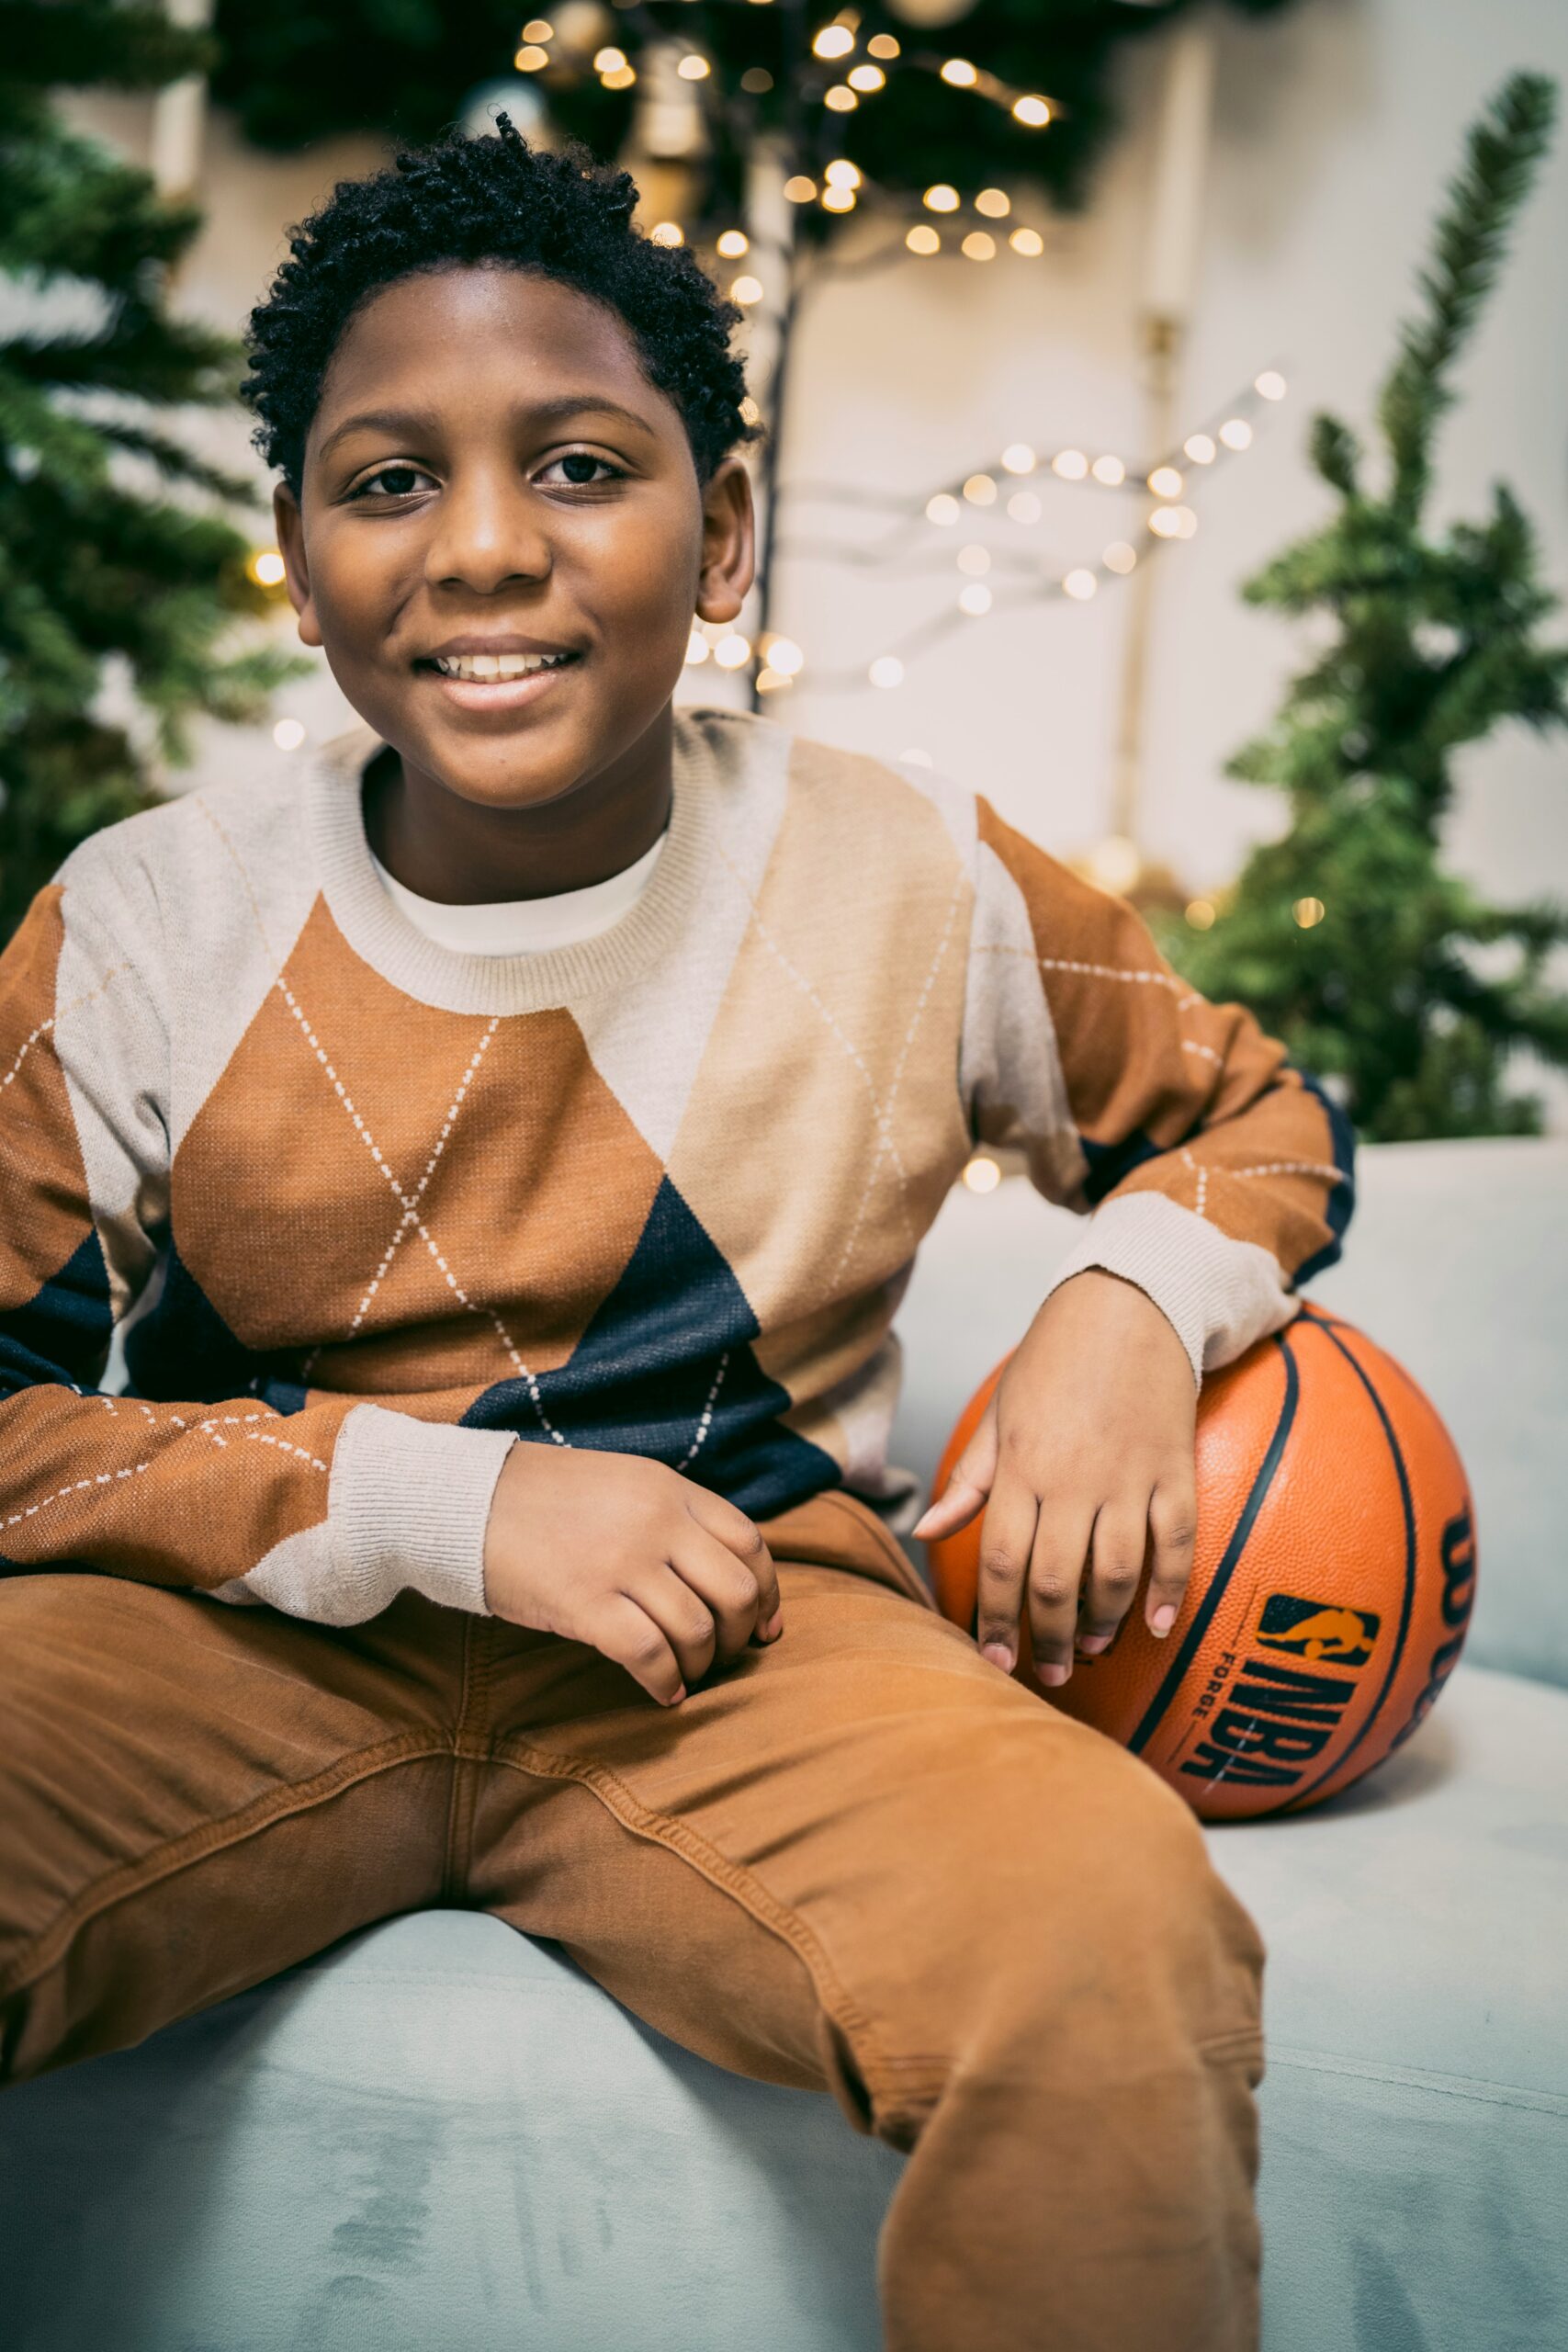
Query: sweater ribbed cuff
{"type": "Point", "coordinates": [408, 1505]}
{"type": "Point", "coordinates": [1219, 1294]}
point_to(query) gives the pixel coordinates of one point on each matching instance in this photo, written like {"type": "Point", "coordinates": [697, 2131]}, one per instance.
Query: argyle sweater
{"type": "Point", "coordinates": [365, 1211]}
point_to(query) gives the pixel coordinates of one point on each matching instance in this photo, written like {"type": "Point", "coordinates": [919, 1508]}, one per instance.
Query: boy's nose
{"type": "Point", "coordinates": [486, 535]}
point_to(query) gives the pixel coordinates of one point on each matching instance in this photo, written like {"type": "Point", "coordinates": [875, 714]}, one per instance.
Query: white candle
{"type": "Point", "coordinates": [1182, 153]}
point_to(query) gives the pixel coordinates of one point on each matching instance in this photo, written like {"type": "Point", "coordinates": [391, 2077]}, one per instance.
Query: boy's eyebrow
{"type": "Point", "coordinates": [406, 419]}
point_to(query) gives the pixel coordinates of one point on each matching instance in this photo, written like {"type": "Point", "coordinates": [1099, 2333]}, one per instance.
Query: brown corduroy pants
{"type": "Point", "coordinates": [859, 1861]}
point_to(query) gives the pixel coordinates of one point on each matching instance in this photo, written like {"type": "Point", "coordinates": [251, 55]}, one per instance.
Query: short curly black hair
{"type": "Point", "coordinates": [492, 199]}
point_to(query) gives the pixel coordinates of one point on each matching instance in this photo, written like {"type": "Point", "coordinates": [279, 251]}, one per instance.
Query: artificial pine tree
{"type": "Point", "coordinates": [1383, 973]}
{"type": "Point", "coordinates": [94, 563]}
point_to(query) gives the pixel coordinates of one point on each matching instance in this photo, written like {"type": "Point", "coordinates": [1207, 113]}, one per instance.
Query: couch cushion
{"type": "Point", "coordinates": [442, 2136]}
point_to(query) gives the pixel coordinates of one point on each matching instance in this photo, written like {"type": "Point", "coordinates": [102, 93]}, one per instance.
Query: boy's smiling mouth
{"type": "Point", "coordinates": [495, 680]}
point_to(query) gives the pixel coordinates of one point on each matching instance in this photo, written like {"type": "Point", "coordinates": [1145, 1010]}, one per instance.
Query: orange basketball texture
{"type": "Point", "coordinates": [1331, 1589]}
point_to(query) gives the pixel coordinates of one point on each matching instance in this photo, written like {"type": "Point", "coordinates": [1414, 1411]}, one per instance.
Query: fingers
{"type": "Point", "coordinates": [1173, 1521]}
{"type": "Point", "coordinates": [745, 1542]}
{"type": "Point", "coordinates": [732, 1591]}
{"type": "Point", "coordinates": [1056, 1573]}
{"type": "Point", "coordinates": [1116, 1564]}
{"type": "Point", "coordinates": [1007, 1535]}
{"type": "Point", "coordinates": [626, 1633]}
{"type": "Point", "coordinates": [974, 1474]}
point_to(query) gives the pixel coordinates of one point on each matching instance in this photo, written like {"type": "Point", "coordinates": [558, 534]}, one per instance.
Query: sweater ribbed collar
{"type": "Point", "coordinates": [378, 931]}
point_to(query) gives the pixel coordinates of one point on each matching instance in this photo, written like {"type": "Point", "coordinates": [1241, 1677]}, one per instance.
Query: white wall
{"type": "Point", "coordinates": [1336, 125]}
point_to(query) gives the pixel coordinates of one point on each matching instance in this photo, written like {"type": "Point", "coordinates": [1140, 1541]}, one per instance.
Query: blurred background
{"type": "Point", "coordinates": [1139, 379]}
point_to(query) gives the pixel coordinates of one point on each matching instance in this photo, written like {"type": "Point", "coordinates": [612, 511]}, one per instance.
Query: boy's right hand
{"type": "Point", "coordinates": [625, 1554]}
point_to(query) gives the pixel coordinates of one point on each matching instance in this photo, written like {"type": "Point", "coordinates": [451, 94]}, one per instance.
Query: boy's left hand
{"type": "Point", "coordinates": [1086, 1455]}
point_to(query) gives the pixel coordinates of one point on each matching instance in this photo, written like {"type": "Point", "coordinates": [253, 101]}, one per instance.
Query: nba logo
{"type": "Point", "coordinates": [1313, 1629]}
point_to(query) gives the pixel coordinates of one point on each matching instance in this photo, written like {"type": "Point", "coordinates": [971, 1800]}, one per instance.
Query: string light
{"type": "Point", "coordinates": [746, 289]}
{"type": "Point", "coordinates": [940, 198]}
{"type": "Point", "coordinates": [1028, 242]}
{"type": "Point", "coordinates": [837, 199]}
{"type": "Point", "coordinates": [757, 79]}
{"type": "Point", "coordinates": [693, 67]}
{"type": "Point", "coordinates": [959, 71]}
{"type": "Point", "coordinates": [770, 679]}
{"type": "Point", "coordinates": [732, 651]}
{"type": "Point", "coordinates": [980, 246]}
{"type": "Point", "coordinates": [981, 1174]}
{"type": "Point", "coordinates": [732, 244]}
{"type": "Point", "coordinates": [529, 59]}
{"type": "Point", "coordinates": [833, 41]}
{"type": "Point", "coordinates": [1309, 912]}
{"type": "Point", "coordinates": [667, 233]}
{"type": "Point", "coordinates": [1167, 522]}
{"type": "Point", "coordinates": [881, 45]}
{"type": "Point", "coordinates": [841, 99]}
{"type": "Point", "coordinates": [799, 189]}
{"type": "Point", "coordinates": [923, 239]}
{"type": "Point", "coordinates": [698, 646]}
{"type": "Point", "coordinates": [1165, 482]}
{"type": "Point", "coordinates": [266, 568]}
{"type": "Point", "coordinates": [609, 60]}
{"type": "Point", "coordinates": [750, 412]}
{"type": "Point", "coordinates": [994, 202]}
{"type": "Point", "coordinates": [538, 28]}
{"type": "Point", "coordinates": [786, 656]}
{"type": "Point", "coordinates": [1199, 914]}
{"type": "Point", "coordinates": [1033, 112]}
{"type": "Point", "coordinates": [288, 734]}
{"type": "Point", "coordinates": [1271, 385]}
{"type": "Point", "coordinates": [867, 77]}
{"type": "Point", "coordinates": [841, 173]}
{"type": "Point", "coordinates": [621, 79]}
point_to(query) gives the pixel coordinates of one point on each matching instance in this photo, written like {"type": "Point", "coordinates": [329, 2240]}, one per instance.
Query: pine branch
{"type": "Point", "coordinates": [1504, 151]}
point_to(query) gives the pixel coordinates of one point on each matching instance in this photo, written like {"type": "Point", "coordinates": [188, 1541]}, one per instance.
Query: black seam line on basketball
{"type": "Point", "coordinates": [1409, 1508]}
{"type": "Point", "coordinates": [1233, 1552]}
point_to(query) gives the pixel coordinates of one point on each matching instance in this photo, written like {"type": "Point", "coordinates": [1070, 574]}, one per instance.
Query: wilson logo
{"type": "Point", "coordinates": [1278, 1719]}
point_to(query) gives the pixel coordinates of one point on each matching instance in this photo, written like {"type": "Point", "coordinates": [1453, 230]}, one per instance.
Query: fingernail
{"type": "Point", "coordinates": [774, 1626]}
{"type": "Point", "coordinates": [676, 1698]}
{"type": "Point", "coordinates": [1053, 1676]}
{"type": "Point", "coordinates": [999, 1655]}
{"type": "Point", "coordinates": [1163, 1619]}
{"type": "Point", "coordinates": [1092, 1644]}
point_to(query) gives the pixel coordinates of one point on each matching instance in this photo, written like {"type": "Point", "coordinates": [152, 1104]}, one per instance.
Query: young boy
{"type": "Point", "coordinates": [503, 1151]}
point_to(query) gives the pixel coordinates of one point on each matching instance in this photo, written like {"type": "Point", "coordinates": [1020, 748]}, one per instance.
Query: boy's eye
{"type": "Point", "coordinates": [580, 464]}
{"type": "Point", "coordinates": [405, 478]}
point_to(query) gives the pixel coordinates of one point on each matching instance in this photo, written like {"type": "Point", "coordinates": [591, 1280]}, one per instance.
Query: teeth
{"type": "Point", "coordinates": [496, 665]}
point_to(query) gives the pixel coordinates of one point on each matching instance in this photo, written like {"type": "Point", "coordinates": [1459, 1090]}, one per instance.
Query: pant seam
{"type": "Point", "coordinates": [733, 1878]}
{"type": "Point", "coordinates": [452, 1877]}
{"type": "Point", "coordinates": [46, 1948]}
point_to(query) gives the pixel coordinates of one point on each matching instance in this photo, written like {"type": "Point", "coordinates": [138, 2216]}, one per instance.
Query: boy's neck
{"type": "Point", "coordinates": [460, 854]}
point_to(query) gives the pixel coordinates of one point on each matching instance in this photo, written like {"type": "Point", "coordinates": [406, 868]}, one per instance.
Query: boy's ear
{"type": "Point", "coordinates": [289, 525]}
{"type": "Point", "coordinates": [729, 534]}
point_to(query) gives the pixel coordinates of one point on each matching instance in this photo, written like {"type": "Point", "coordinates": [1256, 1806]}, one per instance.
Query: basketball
{"type": "Point", "coordinates": [1331, 1587]}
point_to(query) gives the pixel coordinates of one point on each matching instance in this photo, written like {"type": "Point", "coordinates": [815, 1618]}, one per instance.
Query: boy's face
{"type": "Point", "coordinates": [471, 509]}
